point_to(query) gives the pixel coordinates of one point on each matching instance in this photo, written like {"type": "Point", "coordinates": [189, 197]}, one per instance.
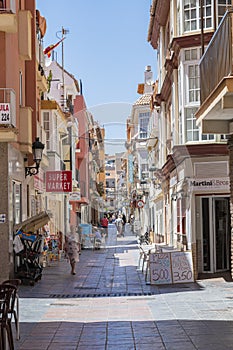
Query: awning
{"type": "Point", "coordinates": [34, 223]}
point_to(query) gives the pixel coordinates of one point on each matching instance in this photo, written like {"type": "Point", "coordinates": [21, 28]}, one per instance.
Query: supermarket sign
{"type": "Point", "coordinates": [58, 181]}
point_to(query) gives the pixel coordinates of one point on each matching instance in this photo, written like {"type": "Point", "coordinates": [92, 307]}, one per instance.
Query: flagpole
{"type": "Point", "coordinates": [63, 33]}
{"type": "Point", "coordinates": [63, 73]}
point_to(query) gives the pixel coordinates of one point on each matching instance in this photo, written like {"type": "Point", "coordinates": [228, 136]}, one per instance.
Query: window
{"type": "Point", "coordinates": [207, 137]}
{"type": "Point", "coordinates": [191, 67]}
{"type": "Point", "coordinates": [193, 133]}
{"type": "Point", "coordinates": [193, 83]}
{"type": "Point", "coordinates": [143, 124]}
{"type": "Point", "coordinates": [46, 128]}
{"type": "Point", "coordinates": [222, 7]}
{"type": "Point", "coordinates": [207, 14]}
{"type": "Point", "coordinates": [191, 54]}
{"type": "Point", "coordinates": [181, 221]}
{"type": "Point", "coordinates": [17, 202]}
{"type": "Point", "coordinates": [20, 89]}
{"type": "Point", "coordinates": [192, 15]}
{"type": "Point", "coordinates": [181, 139]}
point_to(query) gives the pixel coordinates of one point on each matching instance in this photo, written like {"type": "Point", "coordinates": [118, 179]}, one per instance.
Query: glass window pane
{"type": "Point", "coordinates": [194, 54]}
{"type": "Point", "coordinates": [193, 14]}
{"type": "Point", "coordinates": [195, 135]}
{"type": "Point", "coordinates": [193, 26]}
{"type": "Point", "coordinates": [191, 71]}
{"type": "Point", "coordinates": [191, 83]}
{"type": "Point", "coordinates": [191, 96]}
{"type": "Point", "coordinates": [186, 27]}
{"type": "Point", "coordinates": [208, 23]}
{"type": "Point", "coordinates": [189, 124]}
{"type": "Point", "coordinates": [208, 11]}
{"type": "Point", "coordinates": [187, 55]}
{"type": "Point", "coordinates": [189, 136]}
{"type": "Point", "coordinates": [197, 96]}
{"type": "Point", "coordinates": [204, 137]}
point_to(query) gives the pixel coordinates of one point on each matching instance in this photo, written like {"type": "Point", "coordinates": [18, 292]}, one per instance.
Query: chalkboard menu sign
{"type": "Point", "coordinates": [172, 267]}
{"type": "Point", "coordinates": [160, 268]}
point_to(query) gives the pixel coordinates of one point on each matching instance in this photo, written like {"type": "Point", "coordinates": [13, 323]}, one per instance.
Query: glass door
{"type": "Point", "coordinates": [215, 234]}
{"type": "Point", "coordinates": [221, 229]}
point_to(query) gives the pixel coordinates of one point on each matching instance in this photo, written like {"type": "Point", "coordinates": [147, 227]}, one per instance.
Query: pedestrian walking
{"type": "Point", "coordinates": [119, 226]}
{"type": "Point", "coordinates": [124, 223]}
{"type": "Point", "coordinates": [97, 237]}
{"type": "Point", "coordinates": [72, 249]}
{"type": "Point", "coordinates": [104, 224]}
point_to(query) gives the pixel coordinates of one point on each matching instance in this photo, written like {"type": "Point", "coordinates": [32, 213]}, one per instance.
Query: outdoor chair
{"type": "Point", "coordinates": [7, 297]}
{"type": "Point", "coordinates": [14, 307]}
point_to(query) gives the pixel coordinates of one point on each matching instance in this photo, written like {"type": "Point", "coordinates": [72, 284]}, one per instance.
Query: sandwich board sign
{"type": "Point", "coordinates": [171, 267]}
{"type": "Point", "coordinates": [182, 267]}
{"type": "Point", "coordinates": [160, 268]}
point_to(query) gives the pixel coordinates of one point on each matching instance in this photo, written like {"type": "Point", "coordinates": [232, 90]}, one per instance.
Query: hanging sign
{"type": "Point", "coordinates": [140, 203]}
{"type": "Point", "coordinates": [59, 181]}
{"type": "Point", "coordinates": [75, 196]}
{"type": "Point", "coordinates": [5, 115]}
{"type": "Point", "coordinates": [209, 184]}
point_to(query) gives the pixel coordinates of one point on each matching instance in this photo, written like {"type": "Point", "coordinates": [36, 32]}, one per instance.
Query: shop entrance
{"type": "Point", "coordinates": [215, 234]}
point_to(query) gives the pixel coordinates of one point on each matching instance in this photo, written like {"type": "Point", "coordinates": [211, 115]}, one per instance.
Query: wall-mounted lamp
{"type": "Point", "coordinates": [37, 150]}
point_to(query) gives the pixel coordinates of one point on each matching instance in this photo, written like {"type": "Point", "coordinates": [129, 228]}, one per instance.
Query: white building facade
{"type": "Point", "coordinates": [189, 169]}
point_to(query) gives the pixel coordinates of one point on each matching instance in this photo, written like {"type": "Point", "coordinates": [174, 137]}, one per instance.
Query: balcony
{"type": "Point", "coordinates": [7, 115]}
{"type": "Point", "coordinates": [216, 81]}
{"type": "Point", "coordinates": [25, 34]}
{"type": "Point", "coordinates": [8, 20]}
{"type": "Point", "coordinates": [40, 79]}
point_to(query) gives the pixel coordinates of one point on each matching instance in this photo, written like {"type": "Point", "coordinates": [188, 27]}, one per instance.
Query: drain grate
{"type": "Point", "coordinates": [99, 295]}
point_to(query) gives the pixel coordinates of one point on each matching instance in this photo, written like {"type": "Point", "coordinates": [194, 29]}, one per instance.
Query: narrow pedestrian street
{"type": "Point", "coordinates": [108, 306]}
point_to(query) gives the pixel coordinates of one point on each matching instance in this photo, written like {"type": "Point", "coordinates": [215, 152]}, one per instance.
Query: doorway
{"type": "Point", "coordinates": [215, 234]}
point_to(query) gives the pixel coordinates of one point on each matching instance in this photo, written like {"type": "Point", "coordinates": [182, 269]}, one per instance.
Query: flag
{"type": "Point", "coordinates": [50, 48]}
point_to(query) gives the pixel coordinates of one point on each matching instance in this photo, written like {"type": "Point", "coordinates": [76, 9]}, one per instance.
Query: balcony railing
{"type": "Point", "coordinates": [7, 107]}
{"type": "Point", "coordinates": [216, 63]}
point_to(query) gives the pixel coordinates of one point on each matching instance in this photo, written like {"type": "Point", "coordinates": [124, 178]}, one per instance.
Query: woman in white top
{"type": "Point", "coordinates": [119, 226]}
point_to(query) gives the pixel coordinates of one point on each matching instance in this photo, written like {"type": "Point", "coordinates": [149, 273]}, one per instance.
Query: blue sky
{"type": "Point", "coordinates": [107, 49]}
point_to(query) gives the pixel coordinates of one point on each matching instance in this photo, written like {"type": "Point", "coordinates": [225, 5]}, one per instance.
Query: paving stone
{"type": "Point", "coordinates": [107, 305]}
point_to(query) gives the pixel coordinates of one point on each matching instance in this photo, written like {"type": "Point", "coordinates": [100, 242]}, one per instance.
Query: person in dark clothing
{"type": "Point", "coordinates": [124, 223]}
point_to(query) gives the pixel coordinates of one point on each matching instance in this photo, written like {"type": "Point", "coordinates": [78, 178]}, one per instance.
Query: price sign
{"type": "Point", "coordinates": [5, 116]}
{"type": "Point", "coordinates": [182, 267]}
{"type": "Point", "coordinates": [160, 268]}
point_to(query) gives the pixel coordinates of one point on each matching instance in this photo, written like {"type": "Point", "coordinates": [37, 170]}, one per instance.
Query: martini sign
{"type": "Point", "coordinates": [59, 181]}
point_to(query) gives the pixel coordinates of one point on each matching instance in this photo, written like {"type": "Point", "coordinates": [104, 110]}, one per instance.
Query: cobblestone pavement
{"type": "Point", "coordinates": [108, 306]}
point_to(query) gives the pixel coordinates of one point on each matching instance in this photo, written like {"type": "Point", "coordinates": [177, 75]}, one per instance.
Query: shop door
{"type": "Point", "coordinates": [215, 234]}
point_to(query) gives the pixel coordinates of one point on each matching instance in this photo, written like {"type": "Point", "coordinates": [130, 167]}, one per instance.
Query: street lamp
{"type": "Point", "coordinates": [37, 150]}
